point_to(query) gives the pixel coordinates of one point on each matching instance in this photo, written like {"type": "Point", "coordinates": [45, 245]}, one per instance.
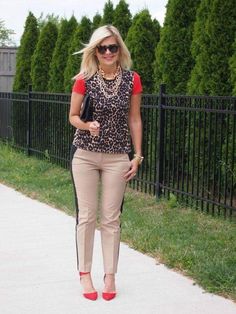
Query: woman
{"type": "Point", "coordinates": [101, 149]}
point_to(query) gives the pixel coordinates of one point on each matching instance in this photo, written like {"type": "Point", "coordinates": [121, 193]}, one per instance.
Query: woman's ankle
{"type": "Point", "coordinates": [86, 282]}
{"type": "Point", "coordinates": [109, 281]}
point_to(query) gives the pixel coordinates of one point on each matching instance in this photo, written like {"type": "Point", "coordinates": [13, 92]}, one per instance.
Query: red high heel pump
{"type": "Point", "coordinates": [90, 295]}
{"type": "Point", "coordinates": [108, 295]}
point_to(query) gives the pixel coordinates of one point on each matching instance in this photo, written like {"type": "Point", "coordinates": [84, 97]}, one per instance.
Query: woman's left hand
{"type": "Point", "coordinates": [132, 171]}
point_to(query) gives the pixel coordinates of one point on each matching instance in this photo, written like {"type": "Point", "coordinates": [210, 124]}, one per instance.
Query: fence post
{"type": "Point", "coordinates": [160, 138]}
{"type": "Point", "coordinates": [29, 116]}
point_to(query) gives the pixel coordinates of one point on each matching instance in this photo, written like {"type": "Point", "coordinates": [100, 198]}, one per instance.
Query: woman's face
{"type": "Point", "coordinates": [108, 52]}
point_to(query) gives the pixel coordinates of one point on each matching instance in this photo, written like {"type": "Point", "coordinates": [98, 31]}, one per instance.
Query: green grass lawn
{"type": "Point", "coordinates": [199, 245]}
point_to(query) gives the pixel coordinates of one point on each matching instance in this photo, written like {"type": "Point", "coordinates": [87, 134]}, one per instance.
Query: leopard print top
{"type": "Point", "coordinates": [112, 114]}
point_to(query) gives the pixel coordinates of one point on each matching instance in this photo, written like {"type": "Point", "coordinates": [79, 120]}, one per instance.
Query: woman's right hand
{"type": "Point", "coordinates": [94, 128]}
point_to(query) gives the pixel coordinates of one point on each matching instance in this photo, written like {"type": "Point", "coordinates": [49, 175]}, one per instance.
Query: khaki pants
{"type": "Point", "coordinates": [87, 169]}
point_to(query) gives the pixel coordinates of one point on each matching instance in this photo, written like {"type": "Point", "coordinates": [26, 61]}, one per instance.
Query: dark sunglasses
{"type": "Point", "coordinates": [112, 48]}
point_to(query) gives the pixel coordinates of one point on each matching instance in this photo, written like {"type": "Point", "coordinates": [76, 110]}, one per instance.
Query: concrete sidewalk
{"type": "Point", "coordinates": [38, 270]}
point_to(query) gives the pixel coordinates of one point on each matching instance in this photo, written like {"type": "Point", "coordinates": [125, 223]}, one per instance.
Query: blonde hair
{"type": "Point", "coordinates": [89, 64]}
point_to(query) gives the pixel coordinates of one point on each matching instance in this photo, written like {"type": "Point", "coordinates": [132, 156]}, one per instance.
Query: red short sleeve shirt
{"type": "Point", "coordinates": [137, 87]}
{"type": "Point", "coordinates": [80, 88]}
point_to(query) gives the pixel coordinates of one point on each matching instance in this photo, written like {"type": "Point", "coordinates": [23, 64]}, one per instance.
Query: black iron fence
{"type": "Point", "coordinates": [198, 140]}
{"type": "Point", "coordinates": [189, 142]}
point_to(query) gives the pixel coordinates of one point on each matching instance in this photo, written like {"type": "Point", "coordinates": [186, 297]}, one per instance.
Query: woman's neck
{"type": "Point", "coordinates": [109, 72]}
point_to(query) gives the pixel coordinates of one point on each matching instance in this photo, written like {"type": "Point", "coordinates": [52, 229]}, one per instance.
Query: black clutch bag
{"type": "Point", "coordinates": [86, 112]}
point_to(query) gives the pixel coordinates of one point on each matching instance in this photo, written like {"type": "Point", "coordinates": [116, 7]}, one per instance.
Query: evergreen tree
{"type": "Point", "coordinates": [81, 36]}
{"type": "Point", "coordinates": [173, 60]}
{"type": "Point", "coordinates": [122, 18]}
{"type": "Point", "coordinates": [22, 78]}
{"type": "Point", "coordinates": [60, 55]}
{"type": "Point", "coordinates": [42, 21]}
{"type": "Point", "coordinates": [199, 48]}
{"type": "Point", "coordinates": [157, 29]}
{"type": "Point", "coordinates": [97, 20]}
{"type": "Point", "coordinates": [24, 54]}
{"type": "Point", "coordinates": [108, 13]}
{"type": "Point", "coordinates": [211, 74]}
{"type": "Point", "coordinates": [232, 63]}
{"type": "Point", "coordinates": [42, 57]}
{"type": "Point", "coordinates": [141, 41]}
{"type": "Point", "coordinates": [222, 30]}
{"type": "Point", "coordinates": [213, 37]}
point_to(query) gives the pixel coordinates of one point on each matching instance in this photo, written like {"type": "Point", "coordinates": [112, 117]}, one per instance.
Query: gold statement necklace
{"type": "Point", "coordinates": [111, 89]}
